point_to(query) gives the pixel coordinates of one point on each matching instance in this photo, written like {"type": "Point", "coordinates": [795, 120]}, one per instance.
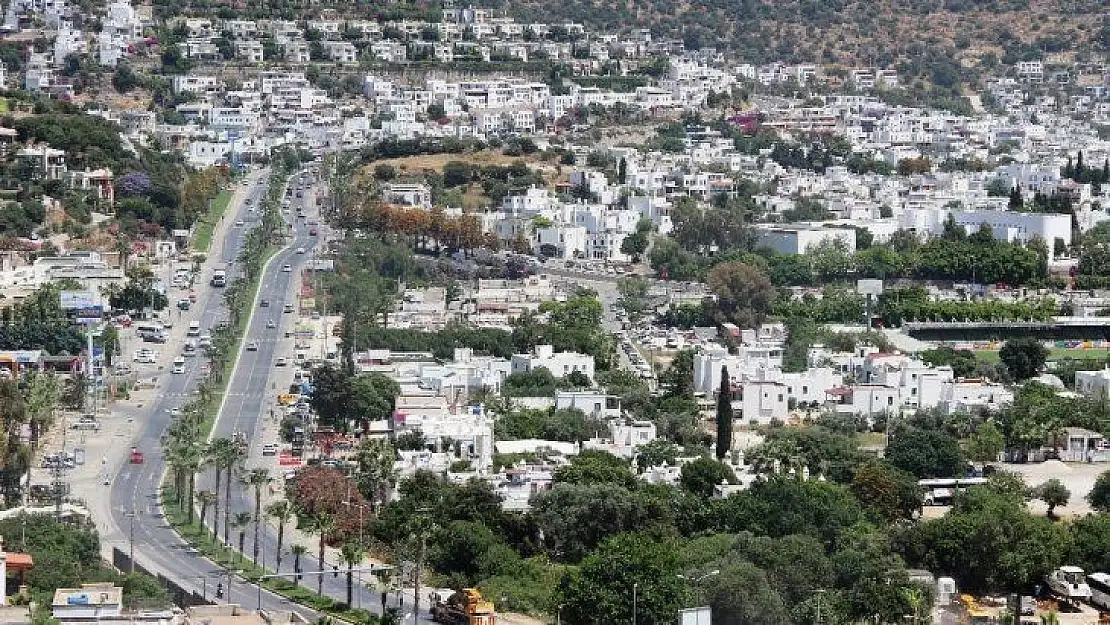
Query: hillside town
{"type": "Point", "coordinates": [434, 314]}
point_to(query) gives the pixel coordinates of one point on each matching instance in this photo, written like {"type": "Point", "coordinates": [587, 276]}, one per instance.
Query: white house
{"type": "Point", "coordinates": [560, 364]}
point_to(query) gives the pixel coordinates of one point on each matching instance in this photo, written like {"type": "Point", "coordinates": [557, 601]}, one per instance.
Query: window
{"type": "Point", "coordinates": [805, 390]}
{"type": "Point", "coordinates": [890, 401]}
{"type": "Point", "coordinates": [780, 397]}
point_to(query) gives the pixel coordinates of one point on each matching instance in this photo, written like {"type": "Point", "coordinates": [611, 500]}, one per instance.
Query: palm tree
{"type": "Point", "coordinates": [297, 551]}
{"type": "Point", "coordinates": [352, 553]}
{"type": "Point", "coordinates": [186, 458]}
{"type": "Point", "coordinates": [232, 455]}
{"type": "Point", "coordinates": [257, 478]}
{"type": "Point", "coordinates": [241, 521]}
{"type": "Point", "coordinates": [43, 393]}
{"type": "Point", "coordinates": [282, 511]}
{"type": "Point", "coordinates": [206, 498]}
{"type": "Point", "coordinates": [216, 455]}
{"type": "Point", "coordinates": [321, 523]}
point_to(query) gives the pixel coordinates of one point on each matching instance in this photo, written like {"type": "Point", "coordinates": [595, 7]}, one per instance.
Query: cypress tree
{"type": "Point", "coordinates": [1016, 201]}
{"type": "Point", "coordinates": [724, 416]}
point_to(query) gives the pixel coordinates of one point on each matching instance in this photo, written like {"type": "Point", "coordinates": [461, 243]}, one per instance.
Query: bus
{"type": "Point", "coordinates": [1099, 584]}
{"type": "Point", "coordinates": [940, 491]}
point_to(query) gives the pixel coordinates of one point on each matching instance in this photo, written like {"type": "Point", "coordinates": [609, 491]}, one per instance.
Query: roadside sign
{"type": "Point", "coordinates": [73, 300]}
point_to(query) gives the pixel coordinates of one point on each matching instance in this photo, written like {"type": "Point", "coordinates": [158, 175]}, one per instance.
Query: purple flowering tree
{"type": "Point", "coordinates": [133, 183]}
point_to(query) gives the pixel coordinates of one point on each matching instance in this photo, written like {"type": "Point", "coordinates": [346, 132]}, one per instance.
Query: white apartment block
{"type": "Point", "coordinates": [560, 364]}
{"type": "Point", "coordinates": [799, 239]}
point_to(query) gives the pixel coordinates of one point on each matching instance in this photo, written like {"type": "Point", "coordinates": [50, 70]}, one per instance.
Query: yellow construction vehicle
{"type": "Point", "coordinates": [464, 607]}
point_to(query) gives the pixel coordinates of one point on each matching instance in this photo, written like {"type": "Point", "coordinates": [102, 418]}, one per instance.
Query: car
{"type": "Point", "coordinates": [288, 308]}
{"type": "Point", "coordinates": [270, 324]}
{"type": "Point", "coordinates": [252, 346]}
{"type": "Point", "coordinates": [281, 362]}
{"type": "Point", "coordinates": [264, 303]}
{"type": "Point", "coordinates": [146, 356]}
{"type": "Point", "coordinates": [137, 456]}
{"type": "Point", "coordinates": [269, 449]}
{"type": "Point", "coordinates": [205, 340]}
{"type": "Point", "coordinates": [286, 268]}
{"type": "Point", "coordinates": [178, 365]}
{"type": "Point", "coordinates": [123, 370]}
{"type": "Point", "coordinates": [239, 223]}
{"type": "Point", "coordinates": [300, 250]}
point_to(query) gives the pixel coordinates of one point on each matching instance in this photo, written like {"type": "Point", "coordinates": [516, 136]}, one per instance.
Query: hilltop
{"type": "Point", "coordinates": [936, 40]}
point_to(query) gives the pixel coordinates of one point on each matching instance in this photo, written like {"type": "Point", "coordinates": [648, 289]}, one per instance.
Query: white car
{"type": "Point", "coordinates": [280, 362]}
{"type": "Point", "coordinates": [270, 324]}
{"type": "Point", "coordinates": [286, 268]}
{"type": "Point", "coordinates": [146, 356]}
{"type": "Point", "coordinates": [239, 223]}
{"type": "Point", "coordinates": [252, 346]}
{"type": "Point", "coordinates": [270, 449]}
{"type": "Point", "coordinates": [300, 250]}
{"type": "Point", "coordinates": [178, 365]}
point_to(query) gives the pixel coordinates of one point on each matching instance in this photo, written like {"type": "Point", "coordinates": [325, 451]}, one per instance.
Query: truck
{"type": "Point", "coordinates": [464, 607]}
{"type": "Point", "coordinates": [219, 278]}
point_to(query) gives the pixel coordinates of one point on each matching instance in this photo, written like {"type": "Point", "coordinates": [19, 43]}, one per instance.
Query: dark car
{"type": "Point", "coordinates": [264, 303]}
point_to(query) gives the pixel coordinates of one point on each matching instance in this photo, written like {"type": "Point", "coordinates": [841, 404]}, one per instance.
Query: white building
{"type": "Point", "coordinates": [799, 239]}
{"type": "Point", "coordinates": [1093, 383]}
{"type": "Point", "coordinates": [560, 364]}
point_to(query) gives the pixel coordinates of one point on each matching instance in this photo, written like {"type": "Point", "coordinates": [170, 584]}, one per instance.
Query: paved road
{"type": "Point", "coordinates": [134, 489]}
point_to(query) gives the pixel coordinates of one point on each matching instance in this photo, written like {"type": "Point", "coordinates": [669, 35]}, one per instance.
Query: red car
{"type": "Point", "coordinates": [137, 456]}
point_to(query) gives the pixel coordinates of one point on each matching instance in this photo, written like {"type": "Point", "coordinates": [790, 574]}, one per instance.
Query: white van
{"type": "Point", "coordinates": [194, 329]}
{"type": "Point", "coordinates": [178, 365]}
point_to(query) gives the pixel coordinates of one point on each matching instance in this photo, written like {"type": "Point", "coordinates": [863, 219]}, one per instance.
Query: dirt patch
{"type": "Point", "coordinates": [435, 162]}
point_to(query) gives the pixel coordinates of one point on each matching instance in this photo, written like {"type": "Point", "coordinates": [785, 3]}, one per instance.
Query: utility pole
{"type": "Point", "coordinates": [131, 542]}
{"type": "Point", "coordinates": [423, 527]}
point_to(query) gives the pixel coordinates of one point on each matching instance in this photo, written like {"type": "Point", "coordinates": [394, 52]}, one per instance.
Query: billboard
{"type": "Point", "coordinates": [74, 300]}
{"type": "Point", "coordinates": [695, 616]}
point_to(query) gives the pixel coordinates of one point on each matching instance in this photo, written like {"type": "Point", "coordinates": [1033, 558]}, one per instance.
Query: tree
{"type": "Point", "coordinates": [742, 594]}
{"type": "Point", "coordinates": [596, 467]}
{"type": "Point", "coordinates": [724, 415]}
{"type": "Point", "coordinates": [241, 522]}
{"type": "Point", "coordinates": [320, 523]}
{"type": "Point", "coordinates": [988, 541]}
{"type": "Point", "coordinates": [635, 244]}
{"type": "Point", "coordinates": [599, 591]}
{"type": "Point", "coordinates": [124, 79]}
{"type": "Point", "coordinates": [256, 479]}
{"type": "Point", "coordinates": [298, 551]}
{"type": "Point", "coordinates": [744, 294]}
{"type": "Point", "coordinates": [1099, 497]}
{"type": "Point", "coordinates": [376, 475]}
{"type": "Point", "coordinates": [385, 172]}
{"type": "Point", "coordinates": [702, 476]}
{"type": "Point", "coordinates": [1023, 357]}
{"type": "Point", "coordinates": [282, 513]}
{"type": "Point", "coordinates": [925, 453]}
{"type": "Point", "coordinates": [1053, 493]}
{"type": "Point", "coordinates": [986, 444]}
{"type": "Point", "coordinates": [351, 553]}
{"type": "Point", "coordinates": [890, 493]}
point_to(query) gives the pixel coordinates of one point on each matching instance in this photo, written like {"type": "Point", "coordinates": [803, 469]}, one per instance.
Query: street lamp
{"type": "Point", "coordinates": [700, 578]}
{"type": "Point", "coordinates": [635, 587]}
{"type": "Point", "coordinates": [819, 592]}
